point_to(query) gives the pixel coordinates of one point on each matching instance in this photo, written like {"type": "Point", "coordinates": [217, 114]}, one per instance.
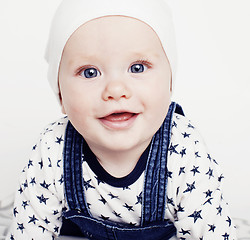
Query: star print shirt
{"type": "Point", "coordinates": [195, 202]}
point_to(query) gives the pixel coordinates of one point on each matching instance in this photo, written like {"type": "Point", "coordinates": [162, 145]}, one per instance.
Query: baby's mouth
{"type": "Point", "coordinates": [119, 116]}
{"type": "Point", "coordinates": [119, 120]}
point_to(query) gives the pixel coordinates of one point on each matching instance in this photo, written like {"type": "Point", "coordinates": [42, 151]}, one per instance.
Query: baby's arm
{"type": "Point", "coordinates": [195, 198]}
{"type": "Point", "coordinates": [38, 204]}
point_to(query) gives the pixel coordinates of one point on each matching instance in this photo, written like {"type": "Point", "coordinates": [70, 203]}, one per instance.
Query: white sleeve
{"type": "Point", "coordinates": [39, 198]}
{"type": "Point", "coordinates": [195, 201]}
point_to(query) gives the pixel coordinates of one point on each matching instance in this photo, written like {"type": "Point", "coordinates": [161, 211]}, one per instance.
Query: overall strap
{"type": "Point", "coordinates": [156, 173]}
{"type": "Point", "coordinates": [73, 179]}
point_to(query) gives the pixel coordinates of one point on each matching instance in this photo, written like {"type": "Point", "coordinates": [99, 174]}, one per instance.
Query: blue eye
{"type": "Point", "coordinates": [137, 68]}
{"type": "Point", "coordinates": [90, 73]}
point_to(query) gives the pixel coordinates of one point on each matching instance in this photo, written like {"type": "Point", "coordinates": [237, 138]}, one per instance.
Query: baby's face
{"type": "Point", "coordinates": [115, 83]}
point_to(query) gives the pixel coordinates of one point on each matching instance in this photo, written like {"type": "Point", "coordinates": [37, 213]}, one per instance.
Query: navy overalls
{"type": "Point", "coordinates": [152, 226]}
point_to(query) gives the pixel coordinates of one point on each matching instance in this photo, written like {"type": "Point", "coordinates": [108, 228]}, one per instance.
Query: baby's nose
{"type": "Point", "coordinates": [115, 90]}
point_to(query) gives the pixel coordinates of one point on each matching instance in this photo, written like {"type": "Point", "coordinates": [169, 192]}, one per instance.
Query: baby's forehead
{"type": "Point", "coordinates": [113, 27]}
{"type": "Point", "coordinates": [114, 36]}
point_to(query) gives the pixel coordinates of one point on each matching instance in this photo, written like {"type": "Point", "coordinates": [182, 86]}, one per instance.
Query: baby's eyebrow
{"type": "Point", "coordinates": [144, 54]}
{"type": "Point", "coordinates": [81, 60]}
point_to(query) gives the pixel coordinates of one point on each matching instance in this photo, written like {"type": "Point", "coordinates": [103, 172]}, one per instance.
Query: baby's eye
{"type": "Point", "coordinates": [137, 68]}
{"type": "Point", "coordinates": [140, 67]}
{"type": "Point", "coordinates": [89, 73]}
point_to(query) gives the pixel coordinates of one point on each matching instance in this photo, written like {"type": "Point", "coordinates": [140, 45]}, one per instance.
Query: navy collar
{"type": "Point", "coordinates": [104, 176]}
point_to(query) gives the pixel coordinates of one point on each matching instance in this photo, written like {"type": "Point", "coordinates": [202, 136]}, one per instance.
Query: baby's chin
{"type": "Point", "coordinates": [120, 144]}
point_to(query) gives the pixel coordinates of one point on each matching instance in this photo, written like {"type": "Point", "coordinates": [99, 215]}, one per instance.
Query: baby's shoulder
{"type": "Point", "coordinates": [186, 138]}
{"type": "Point", "coordinates": [47, 151]}
{"type": "Point", "coordinates": [182, 127]}
{"type": "Point", "coordinates": [55, 127]}
{"type": "Point", "coordinates": [187, 146]}
{"type": "Point", "coordinates": [54, 132]}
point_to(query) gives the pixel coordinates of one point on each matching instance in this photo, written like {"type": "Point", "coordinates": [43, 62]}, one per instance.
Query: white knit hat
{"type": "Point", "coordinates": [71, 14]}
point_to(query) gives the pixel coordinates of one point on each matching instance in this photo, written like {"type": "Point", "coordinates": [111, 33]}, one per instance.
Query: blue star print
{"type": "Point", "coordinates": [30, 163]}
{"type": "Point", "coordinates": [184, 232]}
{"type": "Point", "coordinates": [113, 196]}
{"type": "Point", "coordinates": [139, 199]}
{"type": "Point", "coordinates": [196, 215]}
{"type": "Point", "coordinates": [186, 135]}
{"type": "Point", "coordinates": [219, 210]}
{"type": "Point", "coordinates": [195, 170]}
{"type": "Point", "coordinates": [15, 212]}
{"type": "Point", "coordinates": [183, 152]}
{"type": "Point", "coordinates": [103, 200]}
{"type": "Point", "coordinates": [229, 221]}
{"type": "Point", "coordinates": [208, 201]}
{"type": "Point", "coordinates": [172, 149]}
{"type": "Point", "coordinates": [212, 227]}
{"type": "Point", "coordinates": [61, 180]}
{"type": "Point", "coordinates": [130, 208]}
{"type": "Point", "coordinates": [46, 221]}
{"type": "Point", "coordinates": [33, 219]}
{"type": "Point", "coordinates": [59, 140]}
{"type": "Point", "coordinates": [41, 164]}
{"type": "Point", "coordinates": [25, 204]}
{"type": "Point", "coordinates": [33, 181]}
{"type": "Point", "coordinates": [42, 199]}
{"type": "Point", "coordinates": [180, 208]}
{"type": "Point", "coordinates": [20, 227]}
{"type": "Point", "coordinates": [208, 193]}
{"type": "Point", "coordinates": [117, 214]}
{"type": "Point", "coordinates": [20, 190]}
{"type": "Point", "coordinates": [190, 187]}
{"type": "Point", "coordinates": [182, 170]}
{"type": "Point", "coordinates": [45, 185]}
{"type": "Point", "coordinates": [226, 236]}
{"type": "Point", "coordinates": [87, 184]}
{"type": "Point", "coordinates": [210, 173]}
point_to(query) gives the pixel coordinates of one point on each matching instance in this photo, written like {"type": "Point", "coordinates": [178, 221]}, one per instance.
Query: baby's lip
{"type": "Point", "coordinates": [118, 116]}
{"type": "Point", "coordinates": [119, 120]}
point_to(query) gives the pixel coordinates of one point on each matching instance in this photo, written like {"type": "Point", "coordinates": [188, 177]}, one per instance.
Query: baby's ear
{"type": "Point", "coordinates": [62, 106]}
{"type": "Point", "coordinates": [63, 110]}
{"type": "Point", "coordinates": [171, 85]}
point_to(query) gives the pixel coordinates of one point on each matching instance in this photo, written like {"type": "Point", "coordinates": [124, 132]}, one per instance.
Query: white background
{"type": "Point", "coordinates": [213, 85]}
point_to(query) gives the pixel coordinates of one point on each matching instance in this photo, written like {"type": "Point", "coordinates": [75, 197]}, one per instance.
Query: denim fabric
{"type": "Point", "coordinates": [153, 225]}
{"type": "Point", "coordinates": [155, 185]}
{"type": "Point", "coordinates": [98, 229]}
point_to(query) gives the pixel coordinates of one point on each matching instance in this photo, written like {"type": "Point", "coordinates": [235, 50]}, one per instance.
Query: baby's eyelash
{"type": "Point", "coordinates": [82, 68]}
{"type": "Point", "coordinates": [144, 62]}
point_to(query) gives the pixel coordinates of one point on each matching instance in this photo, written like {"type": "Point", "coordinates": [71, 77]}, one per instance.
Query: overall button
{"type": "Point", "coordinates": [88, 234]}
{"type": "Point", "coordinates": [78, 210]}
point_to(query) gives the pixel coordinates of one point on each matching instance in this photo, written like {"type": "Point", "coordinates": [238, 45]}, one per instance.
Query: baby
{"type": "Point", "coordinates": [124, 163]}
